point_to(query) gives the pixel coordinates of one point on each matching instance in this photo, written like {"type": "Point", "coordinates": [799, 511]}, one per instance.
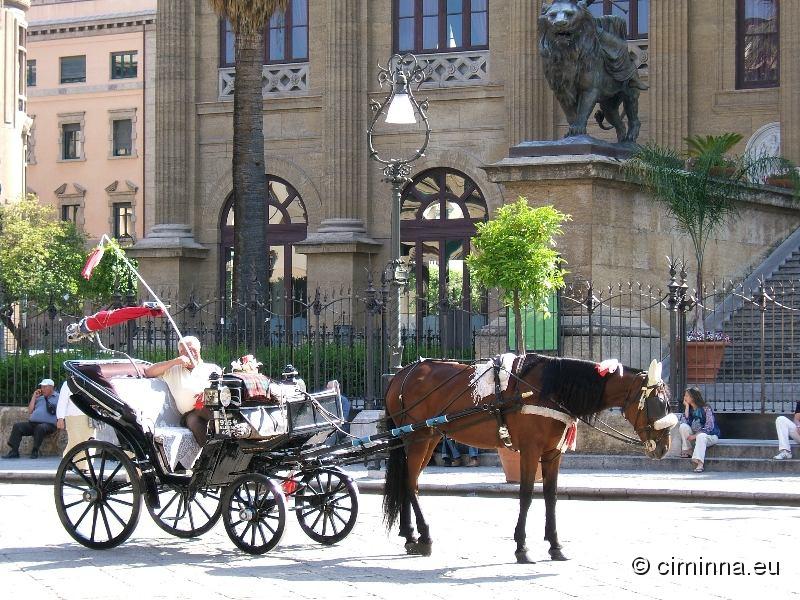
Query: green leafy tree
{"type": "Point", "coordinates": [41, 259]}
{"type": "Point", "coordinates": [516, 253]}
{"type": "Point", "coordinates": [703, 189]}
{"type": "Point", "coordinates": [248, 19]}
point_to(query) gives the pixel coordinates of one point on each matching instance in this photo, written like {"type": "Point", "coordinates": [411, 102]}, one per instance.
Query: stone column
{"type": "Point", "coordinates": [168, 254]}
{"type": "Point", "coordinates": [669, 71]}
{"type": "Point", "coordinates": [337, 251]}
{"type": "Point", "coordinates": [790, 80]}
{"type": "Point", "coordinates": [529, 98]}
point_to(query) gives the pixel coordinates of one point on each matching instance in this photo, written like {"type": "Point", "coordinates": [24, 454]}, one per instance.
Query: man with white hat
{"type": "Point", "coordinates": [41, 420]}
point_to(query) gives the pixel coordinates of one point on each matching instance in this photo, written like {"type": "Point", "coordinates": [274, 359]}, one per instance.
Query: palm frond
{"type": "Point", "coordinates": [248, 15]}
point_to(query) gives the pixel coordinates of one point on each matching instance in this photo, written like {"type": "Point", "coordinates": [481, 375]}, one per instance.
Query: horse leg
{"type": "Point", "coordinates": [418, 457]}
{"type": "Point", "coordinates": [528, 462]}
{"type": "Point", "coordinates": [550, 487]}
{"type": "Point", "coordinates": [406, 528]}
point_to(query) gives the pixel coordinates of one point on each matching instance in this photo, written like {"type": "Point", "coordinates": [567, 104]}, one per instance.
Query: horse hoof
{"type": "Point", "coordinates": [419, 548]}
{"type": "Point", "coordinates": [523, 558]}
{"type": "Point", "coordinates": [557, 555]}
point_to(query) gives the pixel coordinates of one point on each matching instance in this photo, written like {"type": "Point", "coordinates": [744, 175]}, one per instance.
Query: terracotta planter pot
{"type": "Point", "coordinates": [703, 360]}
{"type": "Point", "coordinates": [780, 181]}
{"type": "Point", "coordinates": [511, 466]}
{"type": "Point", "coordinates": [722, 171]}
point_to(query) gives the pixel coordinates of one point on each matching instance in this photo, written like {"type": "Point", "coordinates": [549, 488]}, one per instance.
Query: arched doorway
{"type": "Point", "coordinates": [440, 208]}
{"type": "Point", "coordinates": [287, 225]}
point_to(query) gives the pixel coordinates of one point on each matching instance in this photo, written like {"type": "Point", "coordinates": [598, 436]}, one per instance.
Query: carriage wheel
{"type": "Point", "coordinates": [254, 513]}
{"type": "Point", "coordinates": [97, 493]}
{"type": "Point", "coordinates": [186, 513]}
{"type": "Point", "coordinates": [327, 506]}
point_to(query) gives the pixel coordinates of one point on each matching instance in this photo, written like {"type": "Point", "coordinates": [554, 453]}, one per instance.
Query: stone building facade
{"type": "Point", "coordinates": [90, 74]}
{"type": "Point", "coordinates": [15, 124]}
{"type": "Point", "coordinates": [487, 93]}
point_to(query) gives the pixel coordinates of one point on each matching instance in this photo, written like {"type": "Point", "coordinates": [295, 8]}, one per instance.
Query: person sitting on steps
{"type": "Point", "coordinates": [786, 429]}
{"type": "Point", "coordinates": [41, 420]}
{"type": "Point", "coordinates": [697, 425]}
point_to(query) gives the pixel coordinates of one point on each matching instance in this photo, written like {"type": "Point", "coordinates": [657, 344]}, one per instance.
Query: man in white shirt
{"type": "Point", "coordinates": [187, 377]}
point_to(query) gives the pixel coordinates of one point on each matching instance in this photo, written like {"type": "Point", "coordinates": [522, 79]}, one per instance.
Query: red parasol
{"type": "Point", "coordinates": [109, 318]}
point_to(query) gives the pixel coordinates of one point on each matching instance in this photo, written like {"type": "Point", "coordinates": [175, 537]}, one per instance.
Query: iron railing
{"type": "Point", "coordinates": [342, 335]}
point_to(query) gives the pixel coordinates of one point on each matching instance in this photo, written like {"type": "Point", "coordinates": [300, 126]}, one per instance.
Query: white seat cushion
{"type": "Point", "coordinates": [155, 410]}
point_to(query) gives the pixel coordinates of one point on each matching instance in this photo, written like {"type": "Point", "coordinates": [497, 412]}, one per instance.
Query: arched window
{"type": "Point", "coordinates": [287, 225]}
{"type": "Point", "coordinates": [635, 12]}
{"type": "Point", "coordinates": [285, 38]}
{"type": "Point", "coordinates": [440, 25]}
{"type": "Point", "coordinates": [440, 208]}
{"type": "Point", "coordinates": [757, 44]}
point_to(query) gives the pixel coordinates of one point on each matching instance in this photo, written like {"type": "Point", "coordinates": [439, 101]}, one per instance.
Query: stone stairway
{"type": "Point", "coordinates": [729, 455]}
{"type": "Point", "coordinates": [778, 346]}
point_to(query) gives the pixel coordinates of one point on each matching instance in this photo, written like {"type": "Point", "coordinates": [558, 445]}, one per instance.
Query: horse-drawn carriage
{"type": "Point", "coordinates": [259, 454]}
{"type": "Point", "coordinates": [262, 460]}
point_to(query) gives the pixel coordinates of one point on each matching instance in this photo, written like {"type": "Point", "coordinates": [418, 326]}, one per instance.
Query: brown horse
{"type": "Point", "coordinates": [573, 388]}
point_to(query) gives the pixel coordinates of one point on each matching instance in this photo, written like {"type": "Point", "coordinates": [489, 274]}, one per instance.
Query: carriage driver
{"type": "Point", "coordinates": [187, 376]}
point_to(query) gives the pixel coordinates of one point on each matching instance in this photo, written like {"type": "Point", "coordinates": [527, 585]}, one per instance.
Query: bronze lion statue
{"type": "Point", "coordinates": [587, 62]}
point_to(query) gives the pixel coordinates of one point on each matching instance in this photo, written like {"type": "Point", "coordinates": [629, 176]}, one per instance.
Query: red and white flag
{"type": "Point", "coordinates": [92, 261]}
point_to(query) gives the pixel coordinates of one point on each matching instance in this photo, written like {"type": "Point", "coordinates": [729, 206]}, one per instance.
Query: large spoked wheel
{"type": "Point", "coordinates": [327, 506]}
{"type": "Point", "coordinates": [186, 513]}
{"type": "Point", "coordinates": [254, 513]}
{"type": "Point", "coordinates": [97, 494]}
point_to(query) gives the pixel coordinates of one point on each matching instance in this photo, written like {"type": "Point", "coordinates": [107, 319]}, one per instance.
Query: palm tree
{"type": "Point", "coordinates": [248, 19]}
{"type": "Point", "coordinates": [704, 188]}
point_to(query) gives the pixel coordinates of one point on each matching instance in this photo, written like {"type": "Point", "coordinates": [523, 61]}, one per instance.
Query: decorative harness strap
{"type": "Point", "coordinates": [502, 429]}
{"type": "Point", "coordinates": [569, 436]}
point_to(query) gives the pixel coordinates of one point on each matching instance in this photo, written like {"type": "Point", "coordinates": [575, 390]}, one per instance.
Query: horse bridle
{"type": "Point", "coordinates": [649, 401]}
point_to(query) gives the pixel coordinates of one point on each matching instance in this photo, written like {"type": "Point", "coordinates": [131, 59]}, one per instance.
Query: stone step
{"type": "Point", "coordinates": [676, 465]}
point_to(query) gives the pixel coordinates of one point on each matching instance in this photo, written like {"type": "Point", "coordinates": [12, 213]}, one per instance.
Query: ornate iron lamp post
{"type": "Point", "coordinates": [400, 108]}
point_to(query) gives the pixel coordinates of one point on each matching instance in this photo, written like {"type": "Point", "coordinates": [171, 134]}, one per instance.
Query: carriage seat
{"type": "Point", "coordinates": [156, 412]}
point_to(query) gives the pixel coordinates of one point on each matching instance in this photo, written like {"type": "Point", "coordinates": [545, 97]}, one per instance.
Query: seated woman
{"type": "Point", "coordinates": [187, 377]}
{"type": "Point", "coordinates": [697, 425]}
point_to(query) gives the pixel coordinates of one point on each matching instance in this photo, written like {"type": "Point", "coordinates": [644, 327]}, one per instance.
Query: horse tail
{"type": "Point", "coordinates": [395, 487]}
{"type": "Point", "coordinates": [600, 116]}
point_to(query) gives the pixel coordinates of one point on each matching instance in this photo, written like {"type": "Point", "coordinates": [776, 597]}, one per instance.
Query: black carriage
{"type": "Point", "coordinates": [261, 461]}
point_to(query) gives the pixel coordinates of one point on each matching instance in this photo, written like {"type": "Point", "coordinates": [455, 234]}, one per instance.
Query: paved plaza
{"type": "Point", "coordinates": [473, 555]}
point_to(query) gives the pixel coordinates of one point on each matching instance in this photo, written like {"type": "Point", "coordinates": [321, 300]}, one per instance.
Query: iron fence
{"type": "Point", "coordinates": [343, 335]}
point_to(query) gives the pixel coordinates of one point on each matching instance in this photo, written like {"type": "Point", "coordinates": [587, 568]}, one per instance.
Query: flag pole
{"type": "Point", "coordinates": [133, 269]}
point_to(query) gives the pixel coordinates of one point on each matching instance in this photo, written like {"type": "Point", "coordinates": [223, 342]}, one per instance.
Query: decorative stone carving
{"type": "Point", "coordinates": [276, 79]}
{"type": "Point", "coordinates": [766, 141]}
{"type": "Point", "coordinates": [457, 68]}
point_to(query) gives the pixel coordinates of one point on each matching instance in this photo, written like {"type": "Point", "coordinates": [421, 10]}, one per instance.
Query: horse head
{"type": "Point", "coordinates": [647, 408]}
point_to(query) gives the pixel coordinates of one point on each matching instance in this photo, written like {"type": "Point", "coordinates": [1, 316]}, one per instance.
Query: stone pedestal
{"type": "Point", "coordinates": [169, 260]}
{"type": "Point", "coordinates": [618, 232]}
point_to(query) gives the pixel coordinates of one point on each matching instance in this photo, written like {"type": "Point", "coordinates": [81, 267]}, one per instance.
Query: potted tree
{"type": "Point", "coordinates": [702, 190]}
{"type": "Point", "coordinates": [515, 252]}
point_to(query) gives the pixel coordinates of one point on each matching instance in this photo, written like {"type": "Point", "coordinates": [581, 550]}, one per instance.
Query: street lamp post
{"type": "Point", "coordinates": [400, 108]}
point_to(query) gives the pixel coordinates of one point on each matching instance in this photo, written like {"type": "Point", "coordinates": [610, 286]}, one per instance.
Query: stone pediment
{"type": "Point", "coordinates": [63, 191]}
{"type": "Point", "coordinates": [128, 188]}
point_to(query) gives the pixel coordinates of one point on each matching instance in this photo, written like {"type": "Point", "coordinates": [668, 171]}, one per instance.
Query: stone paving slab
{"type": "Point", "coordinates": [472, 556]}
{"type": "Point", "coordinates": [710, 486]}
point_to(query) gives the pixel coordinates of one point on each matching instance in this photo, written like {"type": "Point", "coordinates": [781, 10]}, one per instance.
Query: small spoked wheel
{"type": "Point", "coordinates": [186, 513]}
{"type": "Point", "coordinates": [254, 513]}
{"type": "Point", "coordinates": [326, 505]}
{"type": "Point", "coordinates": [97, 494]}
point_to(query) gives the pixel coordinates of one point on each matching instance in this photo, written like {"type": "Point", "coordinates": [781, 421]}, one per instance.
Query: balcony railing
{"type": "Point", "coordinates": [276, 79]}
{"type": "Point", "coordinates": [456, 68]}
